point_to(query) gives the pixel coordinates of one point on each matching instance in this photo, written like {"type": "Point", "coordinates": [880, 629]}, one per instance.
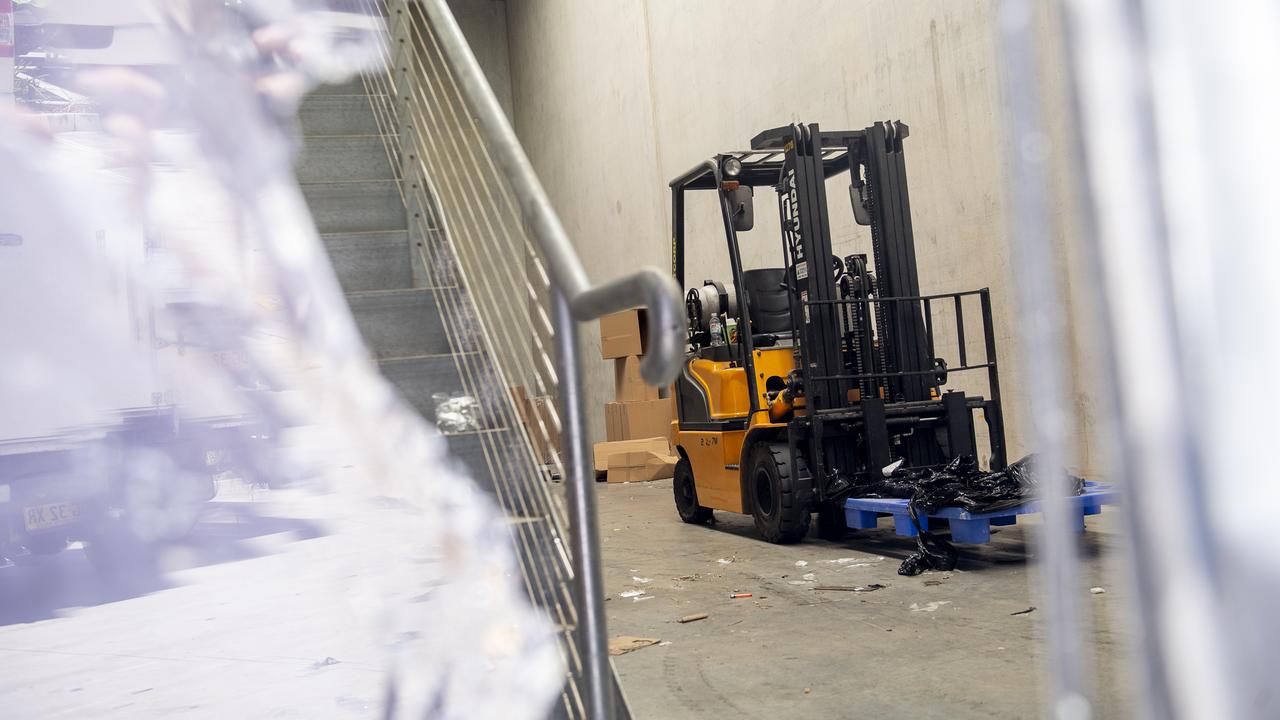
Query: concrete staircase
{"type": "Point", "coordinates": [401, 306]}
{"type": "Point", "coordinates": [349, 185]}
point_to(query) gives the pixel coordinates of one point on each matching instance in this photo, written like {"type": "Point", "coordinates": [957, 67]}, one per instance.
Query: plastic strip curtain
{"type": "Point", "coordinates": [189, 403]}
{"type": "Point", "coordinates": [1172, 155]}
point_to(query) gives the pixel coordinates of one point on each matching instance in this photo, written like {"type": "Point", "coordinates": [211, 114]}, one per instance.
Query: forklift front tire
{"type": "Point", "coordinates": [687, 495]}
{"type": "Point", "coordinates": [779, 515]}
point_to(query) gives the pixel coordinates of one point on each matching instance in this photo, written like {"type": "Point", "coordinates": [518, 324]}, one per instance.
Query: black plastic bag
{"type": "Point", "coordinates": [959, 483]}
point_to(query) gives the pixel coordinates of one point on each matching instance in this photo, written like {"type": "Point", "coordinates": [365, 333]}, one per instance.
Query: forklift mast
{"type": "Point", "coordinates": [878, 192]}
{"type": "Point", "coordinates": [834, 333]}
{"type": "Point", "coordinates": [893, 249]}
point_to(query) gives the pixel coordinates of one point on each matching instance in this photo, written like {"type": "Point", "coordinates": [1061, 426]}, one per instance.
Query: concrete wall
{"type": "Point", "coordinates": [484, 23]}
{"type": "Point", "coordinates": [614, 98]}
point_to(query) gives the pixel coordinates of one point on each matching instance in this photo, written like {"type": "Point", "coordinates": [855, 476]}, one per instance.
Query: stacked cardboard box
{"type": "Point", "coordinates": [606, 451]}
{"type": "Point", "coordinates": [638, 412]}
{"type": "Point", "coordinates": [622, 334]}
{"type": "Point", "coordinates": [640, 466]}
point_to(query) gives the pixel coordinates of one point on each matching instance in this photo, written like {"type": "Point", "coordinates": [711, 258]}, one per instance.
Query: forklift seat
{"type": "Point", "coordinates": [767, 305]}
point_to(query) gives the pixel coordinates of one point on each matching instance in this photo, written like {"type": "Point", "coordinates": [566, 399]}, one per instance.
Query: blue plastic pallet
{"type": "Point", "coordinates": [966, 527]}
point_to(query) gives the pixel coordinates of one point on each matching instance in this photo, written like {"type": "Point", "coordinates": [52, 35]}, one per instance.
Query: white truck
{"type": "Point", "coordinates": [101, 436]}
{"type": "Point", "coordinates": [121, 396]}
{"type": "Point", "coordinates": [112, 425]}
{"type": "Point", "coordinates": [7, 52]}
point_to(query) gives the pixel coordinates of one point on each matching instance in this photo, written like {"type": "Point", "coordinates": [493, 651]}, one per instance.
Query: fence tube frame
{"type": "Point", "coordinates": [584, 540]}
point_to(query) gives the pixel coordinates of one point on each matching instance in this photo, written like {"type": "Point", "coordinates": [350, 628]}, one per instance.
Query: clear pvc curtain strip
{"type": "Point", "coordinates": [1179, 160]}
{"type": "Point", "coordinates": [1043, 323]}
{"type": "Point", "coordinates": [1174, 161]}
{"type": "Point", "coordinates": [493, 292]}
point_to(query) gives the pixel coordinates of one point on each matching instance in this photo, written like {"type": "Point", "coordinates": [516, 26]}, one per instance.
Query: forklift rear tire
{"type": "Point", "coordinates": [687, 495]}
{"type": "Point", "coordinates": [779, 515]}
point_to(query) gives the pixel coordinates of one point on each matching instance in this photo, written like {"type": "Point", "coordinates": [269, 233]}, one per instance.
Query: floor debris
{"type": "Point", "coordinates": [853, 588]}
{"type": "Point", "coordinates": [724, 561]}
{"type": "Point", "coordinates": [933, 606]}
{"type": "Point", "coordinates": [856, 562]}
{"type": "Point", "coordinates": [641, 580]}
{"type": "Point", "coordinates": [1097, 590]}
{"type": "Point", "coordinates": [739, 596]}
{"type": "Point", "coordinates": [623, 644]}
{"type": "Point", "coordinates": [692, 618]}
{"type": "Point", "coordinates": [1028, 611]}
{"type": "Point", "coordinates": [801, 563]}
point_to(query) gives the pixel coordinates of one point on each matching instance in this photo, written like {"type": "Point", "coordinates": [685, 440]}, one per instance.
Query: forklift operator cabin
{"type": "Point", "coordinates": [804, 381]}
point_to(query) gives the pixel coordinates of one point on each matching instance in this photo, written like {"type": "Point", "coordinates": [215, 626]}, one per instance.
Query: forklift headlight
{"type": "Point", "coordinates": [731, 167]}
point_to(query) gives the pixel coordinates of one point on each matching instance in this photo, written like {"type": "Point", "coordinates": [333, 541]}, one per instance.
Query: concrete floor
{"type": "Point", "coordinates": [939, 645]}
{"type": "Point", "coordinates": [241, 626]}
{"type": "Point", "coordinates": [213, 641]}
{"type": "Point", "coordinates": [281, 604]}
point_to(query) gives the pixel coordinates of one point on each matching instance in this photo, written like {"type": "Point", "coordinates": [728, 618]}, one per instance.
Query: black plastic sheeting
{"type": "Point", "coordinates": [959, 483]}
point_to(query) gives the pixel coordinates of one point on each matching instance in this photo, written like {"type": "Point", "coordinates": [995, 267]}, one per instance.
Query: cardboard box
{"type": "Point", "coordinates": [520, 397]}
{"type": "Point", "coordinates": [546, 439]}
{"type": "Point", "coordinates": [640, 466]}
{"type": "Point", "coordinates": [605, 450]}
{"type": "Point", "coordinates": [646, 419]}
{"type": "Point", "coordinates": [628, 386]}
{"type": "Point", "coordinates": [546, 443]}
{"type": "Point", "coordinates": [622, 334]}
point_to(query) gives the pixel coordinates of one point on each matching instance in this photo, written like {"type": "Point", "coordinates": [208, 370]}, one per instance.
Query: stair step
{"type": "Point", "coordinates": [371, 260]}
{"type": "Point", "coordinates": [354, 86]}
{"type": "Point", "coordinates": [337, 115]}
{"type": "Point", "coordinates": [504, 444]}
{"type": "Point", "coordinates": [338, 158]}
{"type": "Point", "coordinates": [418, 378]}
{"type": "Point", "coordinates": [364, 206]}
{"type": "Point", "coordinates": [397, 323]}
{"type": "Point", "coordinates": [433, 263]}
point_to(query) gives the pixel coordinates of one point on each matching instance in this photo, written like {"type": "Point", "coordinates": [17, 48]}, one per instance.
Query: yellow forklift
{"type": "Point", "coordinates": [805, 381]}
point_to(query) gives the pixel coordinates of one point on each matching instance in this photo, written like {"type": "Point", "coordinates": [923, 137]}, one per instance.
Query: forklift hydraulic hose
{"type": "Point", "coordinates": [783, 402]}
{"type": "Point", "coordinates": [781, 407]}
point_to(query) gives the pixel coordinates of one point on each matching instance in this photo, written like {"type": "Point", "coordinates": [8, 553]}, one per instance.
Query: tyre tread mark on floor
{"type": "Point", "coordinates": [675, 676]}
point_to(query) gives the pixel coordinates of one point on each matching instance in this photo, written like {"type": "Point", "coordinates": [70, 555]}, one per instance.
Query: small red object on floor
{"type": "Point", "coordinates": [736, 596]}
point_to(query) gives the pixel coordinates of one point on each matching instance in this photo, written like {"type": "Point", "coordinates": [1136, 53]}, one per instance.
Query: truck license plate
{"type": "Point", "coordinates": [43, 517]}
